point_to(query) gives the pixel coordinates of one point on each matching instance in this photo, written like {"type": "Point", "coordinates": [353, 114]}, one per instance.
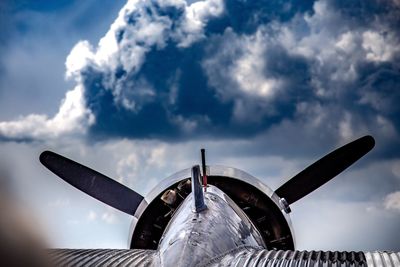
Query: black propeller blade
{"type": "Point", "coordinates": [92, 183]}
{"type": "Point", "coordinates": [324, 169]}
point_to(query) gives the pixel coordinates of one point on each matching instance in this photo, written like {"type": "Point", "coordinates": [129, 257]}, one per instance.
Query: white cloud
{"type": "Point", "coordinates": [150, 29]}
{"type": "Point", "coordinates": [242, 63]}
{"type": "Point", "coordinates": [127, 168]}
{"type": "Point", "coordinates": [386, 128]}
{"type": "Point", "coordinates": [345, 127]}
{"type": "Point", "coordinates": [335, 46]}
{"type": "Point", "coordinates": [392, 201]}
{"type": "Point", "coordinates": [109, 217]}
{"type": "Point", "coordinates": [137, 161]}
{"type": "Point", "coordinates": [187, 125]}
{"type": "Point", "coordinates": [379, 47]}
{"type": "Point", "coordinates": [347, 42]}
{"type": "Point", "coordinates": [333, 50]}
{"type": "Point", "coordinates": [237, 70]}
{"type": "Point", "coordinates": [72, 118]}
{"type": "Point", "coordinates": [92, 216]}
{"type": "Point", "coordinates": [333, 53]}
{"type": "Point", "coordinates": [158, 156]}
{"type": "Point", "coordinates": [80, 56]}
{"type": "Point", "coordinates": [196, 16]}
{"type": "Point", "coordinates": [249, 69]}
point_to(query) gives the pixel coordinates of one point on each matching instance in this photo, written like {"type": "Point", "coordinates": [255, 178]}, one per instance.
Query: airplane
{"type": "Point", "coordinates": [212, 216]}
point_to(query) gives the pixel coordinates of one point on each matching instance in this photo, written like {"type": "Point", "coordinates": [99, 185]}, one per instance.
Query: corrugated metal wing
{"type": "Point", "coordinates": [102, 257]}
{"type": "Point", "coordinates": [272, 258]}
{"type": "Point", "coordinates": [244, 256]}
{"type": "Point", "coordinates": [382, 259]}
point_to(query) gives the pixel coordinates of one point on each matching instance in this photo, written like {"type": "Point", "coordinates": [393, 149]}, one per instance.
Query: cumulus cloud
{"type": "Point", "coordinates": [139, 27]}
{"type": "Point", "coordinates": [379, 47]}
{"type": "Point", "coordinates": [247, 71]}
{"type": "Point", "coordinates": [260, 77]}
{"type": "Point", "coordinates": [392, 201]}
{"type": "Point", "coordinates": [169, 69]}
{"type": "Point", "coordinates": [72, 118]}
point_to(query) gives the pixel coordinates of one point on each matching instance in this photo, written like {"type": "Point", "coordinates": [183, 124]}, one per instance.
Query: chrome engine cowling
{"type": "Point", "coordinates": [262, 206]}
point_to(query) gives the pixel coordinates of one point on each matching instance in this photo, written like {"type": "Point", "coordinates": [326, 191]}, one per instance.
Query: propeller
{"type": "Point", "coordinates": [324, 169]}
{"type": "Point", "coordinates": [92, 182]}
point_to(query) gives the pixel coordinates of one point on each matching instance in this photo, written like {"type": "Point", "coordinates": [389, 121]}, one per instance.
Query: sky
{"type": "Point", "coordinates": [134, 90]}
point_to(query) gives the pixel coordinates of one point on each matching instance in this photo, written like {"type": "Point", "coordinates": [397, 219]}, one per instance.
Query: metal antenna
{"type": "Point", "coordinates": [203, 165]}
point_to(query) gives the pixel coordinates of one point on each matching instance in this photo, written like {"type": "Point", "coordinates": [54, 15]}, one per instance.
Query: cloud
{"type": "Point", "coordinates": [109, 217]}
{"type": "Point", "coordinates": [392, 201]}
{"type": "Point", "coordinates": [170, 70]}
{"type": "Point", "coordinates": [379, 47]}
{"type": "Point", "coordinates": [37, 37]}
{"type": "Point", "coordinates": [72, 118]}
{"type": "Point", "coordinates": [92, 216]}
{"type": "Point", "coordinates": [319, 73]}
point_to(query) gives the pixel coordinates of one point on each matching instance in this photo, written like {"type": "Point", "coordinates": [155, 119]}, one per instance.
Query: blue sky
{"type": "Point", "coordinates": [135, 89]}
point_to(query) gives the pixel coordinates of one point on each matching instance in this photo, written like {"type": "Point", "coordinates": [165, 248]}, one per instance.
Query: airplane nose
{"type": "Point", "coordinates": [194, 238]}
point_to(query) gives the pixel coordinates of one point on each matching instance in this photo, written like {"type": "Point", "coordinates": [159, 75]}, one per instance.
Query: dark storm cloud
{"type": "Point", "coordinates": [244, 17]}
{"type": "Point", "coordinates": [324, 72]}
{"type": "Point", "coordinates": [362, 13]}
{"type": "Point", "coordinates": [195, 85]}
{"type": "Point", "coordinates": [174, 93]}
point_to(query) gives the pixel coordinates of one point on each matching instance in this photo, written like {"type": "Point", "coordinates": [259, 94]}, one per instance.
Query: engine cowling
{"type": "Point", "coordinates": [262, 206]}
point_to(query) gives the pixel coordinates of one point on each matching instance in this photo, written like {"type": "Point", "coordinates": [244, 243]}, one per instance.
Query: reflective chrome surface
{"type": "Point", "coordinates": [216, 170]}
{"type": "Point", "coordinates": [197, 190]}
{"type": "Point", "coordinates": [103, 257]}
{"type": "Point", "coordinates": [382, 259]}
{"type": "Point", "coordinates": [281, 258]}
{"type": "Point", "coordinates": [193, 239]}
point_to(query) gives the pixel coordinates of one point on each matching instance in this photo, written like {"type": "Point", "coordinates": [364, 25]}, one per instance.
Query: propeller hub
{"type": "Point", "coordinates": [285, 205]}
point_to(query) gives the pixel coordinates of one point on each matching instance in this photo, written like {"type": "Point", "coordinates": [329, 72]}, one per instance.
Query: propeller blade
{"type": "Point", "coordinates": [92, 182]}
{"type": "Point", "coordinates": [324, 169]}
